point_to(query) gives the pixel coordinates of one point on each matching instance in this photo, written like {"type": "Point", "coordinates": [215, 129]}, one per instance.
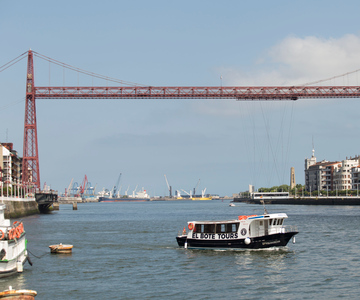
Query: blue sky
{"type": "Point", "coordinates": [226, 144]}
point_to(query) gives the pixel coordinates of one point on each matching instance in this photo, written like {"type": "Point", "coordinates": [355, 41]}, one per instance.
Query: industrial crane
{"type": "Point", "coordinates": [83, 185]}
{"type": "Point", "coordinates": [68, 191]}
{"type": "Point", "coordinates": [169, 187]}
{"type": "Point", "coordinates": [194, 193]}
{"type": "Point", "coordinates": [116, 186]}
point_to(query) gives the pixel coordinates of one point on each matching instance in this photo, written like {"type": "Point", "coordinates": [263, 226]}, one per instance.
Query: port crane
{"type": "Point", "coordinates": [169, 187]}
{"type": "Point", "coordinates": [81, 188]}
{"type": "Point", "coordinates": [189, 194]}
{"type": "Point", "coordinates": [194, 193]}
{"type": "Point", "coordinates": [116, 186]}
{"type": "Point", "coordinates": [126, 192]}
{"type": "Point", "coordinates": [68, 190]}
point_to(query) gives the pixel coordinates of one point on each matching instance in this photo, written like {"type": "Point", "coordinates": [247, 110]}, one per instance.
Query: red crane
{"type": "Point", "coordinates": [31, 158]}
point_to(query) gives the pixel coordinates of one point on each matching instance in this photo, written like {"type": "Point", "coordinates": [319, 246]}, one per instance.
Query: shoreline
{"type": "Point", "coordinates": [354, 200]}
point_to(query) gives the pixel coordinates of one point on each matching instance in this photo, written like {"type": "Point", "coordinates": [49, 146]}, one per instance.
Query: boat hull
{"type": "Point", "coordinates": [268, 241]}
{"type": "Point", "coordinates": [10, 266]}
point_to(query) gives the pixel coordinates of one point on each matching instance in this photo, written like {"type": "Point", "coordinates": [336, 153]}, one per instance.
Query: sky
{"type": "Point", "coordinates": [227, 144]}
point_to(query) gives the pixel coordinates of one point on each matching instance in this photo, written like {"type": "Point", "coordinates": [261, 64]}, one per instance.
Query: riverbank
{"type": "Point", "coordinates": [349, 200]}
{"type": "Point", "coordinates": [19, 207]}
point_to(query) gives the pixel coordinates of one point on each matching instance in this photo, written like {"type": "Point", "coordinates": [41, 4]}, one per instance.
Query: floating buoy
{"type": "Point", "coordinates": [18, 294]}
{"type": "Point", "coordinates": [293, 240]}
{"type": "Point", "coordinates": [60, 248]}
{"type": "Point", "coordinates": [247, 241]}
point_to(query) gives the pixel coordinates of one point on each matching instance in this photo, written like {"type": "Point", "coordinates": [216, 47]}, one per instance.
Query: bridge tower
{"type": "Point", "coordinates": [30, 167]}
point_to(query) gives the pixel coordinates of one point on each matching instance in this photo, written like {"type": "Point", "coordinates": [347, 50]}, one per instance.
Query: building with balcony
{"type": "Point", "coordinates": [332, 176]}
{"type": "Point", "coordinates": [10, 165]}
{"type": "Point", "coordinates": [343, 174]}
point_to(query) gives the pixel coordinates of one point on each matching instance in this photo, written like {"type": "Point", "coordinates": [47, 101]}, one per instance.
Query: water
{"type": "Point", "coordinates": [129, 251]}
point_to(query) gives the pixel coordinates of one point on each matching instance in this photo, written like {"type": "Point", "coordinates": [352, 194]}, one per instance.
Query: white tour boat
{"type": "Point", "coordinates": [13, 253]}
{"type": "Point", "coordinates": [252, 232]}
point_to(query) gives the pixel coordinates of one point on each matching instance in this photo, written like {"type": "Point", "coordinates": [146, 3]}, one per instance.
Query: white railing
{"type": "Point", "coordinates": [289, 228]}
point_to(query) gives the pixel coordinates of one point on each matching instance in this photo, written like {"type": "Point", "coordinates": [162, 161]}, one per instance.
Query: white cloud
{"type": "Point", "coordinates": [296, 61]}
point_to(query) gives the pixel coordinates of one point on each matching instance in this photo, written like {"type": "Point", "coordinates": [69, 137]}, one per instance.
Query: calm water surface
{"type": "Point", "coordinates": [129, 251]}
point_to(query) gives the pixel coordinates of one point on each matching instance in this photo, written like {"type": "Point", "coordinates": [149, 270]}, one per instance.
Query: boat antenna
{"type": "Point", "coordinates": [265, 210]}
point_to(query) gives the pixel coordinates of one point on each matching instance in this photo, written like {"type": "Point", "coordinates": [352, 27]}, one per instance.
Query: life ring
{"type": "Point", "coordinates": [191, 226]}
{"type": "Point", "coordinates": [10, 234]}
{"type": "Point", "coordinates": [2, 234]}
{"type": "Point", "coordinates": [21, 227]}
{"type": "Point", "coordinates": [17, 232]}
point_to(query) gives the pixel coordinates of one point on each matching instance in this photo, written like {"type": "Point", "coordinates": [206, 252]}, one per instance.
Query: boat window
{"type": "Point", "coordinates": [220, 228]}
{"type": "Point", "coordinates": [274, 222]}
{"type": "Point", "coordinates": [209, 228]}
{"type": "Point", "coordinates": [279, 222]}
{"type": "Point", "coordinates": [199, 228]}
{"type": "Point", "coordinates": [270, 221]}
{"type": "Point", "coordinates": [227, 228]}
{"type": "Point", "coordinates": [234, 227]}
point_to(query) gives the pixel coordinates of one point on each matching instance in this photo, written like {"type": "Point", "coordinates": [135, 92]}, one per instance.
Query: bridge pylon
{"type": "Point", "coordinates": [30, 166]}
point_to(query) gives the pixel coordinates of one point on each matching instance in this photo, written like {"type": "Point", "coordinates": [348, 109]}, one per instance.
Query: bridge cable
{"type": "Point", "coordinates": [13, 62]}
{"type": "Point", "coordinates": [331, 78]}
{"type": "Point", "coordinates": [92, 74]}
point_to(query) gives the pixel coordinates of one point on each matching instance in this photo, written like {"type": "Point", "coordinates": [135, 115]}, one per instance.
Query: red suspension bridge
{"type": "Point", "coordinates": [30, 171]}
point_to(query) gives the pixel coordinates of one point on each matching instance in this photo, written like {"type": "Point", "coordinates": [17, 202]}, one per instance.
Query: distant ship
{"type": "Point", "coordinates": [189, 196]}
{"type": "Point", "coordinates": [135, 197]}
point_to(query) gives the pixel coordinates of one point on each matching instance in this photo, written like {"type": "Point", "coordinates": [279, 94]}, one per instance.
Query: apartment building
{"type": "Point", "coordinates": [343, 174]}
{"type": "Point", "coordinates": [355, 177]}
{"type": "Point", "coordinates": [10, 165]}
{"type": "Point", "coordinates": [331, 176]}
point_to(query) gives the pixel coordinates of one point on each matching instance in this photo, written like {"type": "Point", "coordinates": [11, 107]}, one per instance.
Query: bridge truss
{"type": "Point", "coordinates": [30, 170]}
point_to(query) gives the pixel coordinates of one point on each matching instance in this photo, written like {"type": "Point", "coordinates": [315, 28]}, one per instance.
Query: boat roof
{"type": "Point", "coordinates": [243, 218]}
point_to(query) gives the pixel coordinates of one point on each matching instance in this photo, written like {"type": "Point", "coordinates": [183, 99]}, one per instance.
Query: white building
{"type": "Point", "coordinates": [332, 176]}
{"type": "Point", "coordinates": [343, 174]}
{"type": "Point", "coordinates": [10, 165]}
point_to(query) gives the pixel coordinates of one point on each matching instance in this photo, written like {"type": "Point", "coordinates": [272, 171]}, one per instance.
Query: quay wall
{"type": "Point", "coordinates": [306, 201]}
{"type": "Point", "coordinates": [19, 207]}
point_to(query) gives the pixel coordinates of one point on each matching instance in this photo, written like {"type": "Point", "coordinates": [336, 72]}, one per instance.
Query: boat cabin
{"type": "Point", "coordinates": [244, 226]}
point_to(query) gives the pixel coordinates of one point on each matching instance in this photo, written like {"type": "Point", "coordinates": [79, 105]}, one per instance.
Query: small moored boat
{"type": "Point", "coordinates": [60, 248]}
{"type": "Point", "coordinates": [252, 232]}
{"type": "Point", "coordinates": [18, 294]}
{"type": "Point", "coordinates": [13, 253]}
